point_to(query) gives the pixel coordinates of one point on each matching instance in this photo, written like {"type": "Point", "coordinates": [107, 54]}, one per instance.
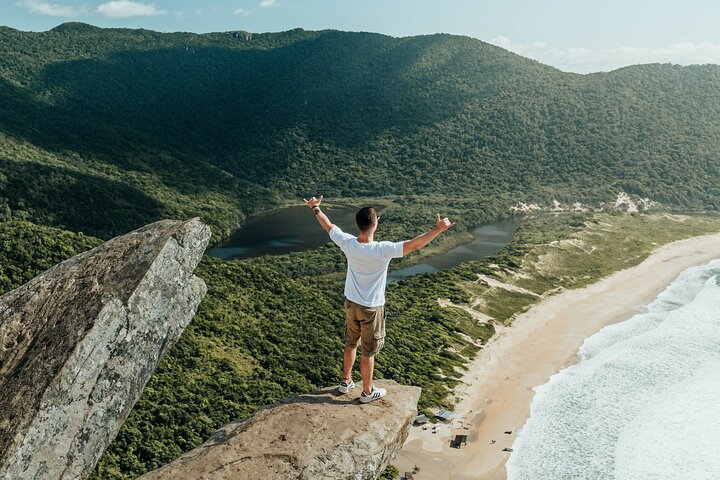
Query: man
{"type": "Point", "coordinates": [367, 265]}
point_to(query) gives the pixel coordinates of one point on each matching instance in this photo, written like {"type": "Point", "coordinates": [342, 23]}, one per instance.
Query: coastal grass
{"type": "Point", "coordinates": [605, 244]}
{"type": "Point", "coordinates": [474, 329]}
{"type": "Point", "coordinates": [549, 255]}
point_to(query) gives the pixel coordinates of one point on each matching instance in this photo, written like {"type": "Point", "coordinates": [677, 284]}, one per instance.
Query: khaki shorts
{"type": "Point", "coordinates": [366, 323]}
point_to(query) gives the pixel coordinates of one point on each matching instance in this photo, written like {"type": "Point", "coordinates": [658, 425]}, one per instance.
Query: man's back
{"type": "Point", "coordinates": [367, 267]}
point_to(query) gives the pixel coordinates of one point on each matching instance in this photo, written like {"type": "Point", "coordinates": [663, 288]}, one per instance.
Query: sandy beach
{"type": "Point", "coordinates": [497, 390]}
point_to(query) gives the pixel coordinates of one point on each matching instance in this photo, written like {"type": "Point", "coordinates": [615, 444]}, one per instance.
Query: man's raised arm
{"type": "Point", "coordinates": [314, 204]}
{"type": "Point", "coordinates": [420, 241]}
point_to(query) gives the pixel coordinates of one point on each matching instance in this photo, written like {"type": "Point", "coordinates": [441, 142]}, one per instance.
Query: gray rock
{"type": "Point", "coordinates": [79, 342]}
{"type": "Point", "coordinates": [320, 435]}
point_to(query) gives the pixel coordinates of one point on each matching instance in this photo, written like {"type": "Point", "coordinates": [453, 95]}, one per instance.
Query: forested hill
{"type": "Point", "coordinates": [103, 130]}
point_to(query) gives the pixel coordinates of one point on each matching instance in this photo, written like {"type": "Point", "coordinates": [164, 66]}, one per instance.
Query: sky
{"type": "Point", "coordinates": [580, 36]}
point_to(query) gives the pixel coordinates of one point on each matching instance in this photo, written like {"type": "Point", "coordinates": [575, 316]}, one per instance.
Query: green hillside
{"type": "Point", "coordinates": [103, 130]}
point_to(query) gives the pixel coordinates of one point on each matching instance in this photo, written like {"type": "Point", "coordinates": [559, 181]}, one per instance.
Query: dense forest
{"type": "Point", "coordinates": [103, 130]}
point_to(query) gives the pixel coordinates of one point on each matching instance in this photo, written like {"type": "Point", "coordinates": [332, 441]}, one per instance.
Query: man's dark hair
{"type": "Point", "coordinates": [365, 217]}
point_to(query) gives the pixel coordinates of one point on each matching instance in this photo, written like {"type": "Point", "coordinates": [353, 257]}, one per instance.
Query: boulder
{"type": "Point", "coordinates": [79, 342]}
{"type": "Point", "coordinates": [320, 435]}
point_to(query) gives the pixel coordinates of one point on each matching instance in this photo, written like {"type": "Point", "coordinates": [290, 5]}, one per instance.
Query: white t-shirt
{"type": "Point", "coordinates": [367, 267]}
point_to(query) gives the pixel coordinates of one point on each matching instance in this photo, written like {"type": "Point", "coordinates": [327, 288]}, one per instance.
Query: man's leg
{"type": "Point", "coordinates": [352, 338]}
{"type": "Point", "coordinates": [373, 338]}
{"type": "Point", "coordinates": [348, 362]}
{"type": "Point", "coordinates": [367, 365]}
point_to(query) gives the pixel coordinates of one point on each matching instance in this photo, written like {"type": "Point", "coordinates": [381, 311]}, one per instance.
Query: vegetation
{"type": "Point", "coordinates": [103, 130]}
{"type": "Point", "coordinates": [549, 255]}
{"type": "Point", "coordinates": [27, 250]}
{"type": "Point", "coordinates": [390, 473]}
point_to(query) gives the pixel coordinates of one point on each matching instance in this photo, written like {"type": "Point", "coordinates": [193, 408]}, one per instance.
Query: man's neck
{"type": "Point", "coordinates": [365, 237]}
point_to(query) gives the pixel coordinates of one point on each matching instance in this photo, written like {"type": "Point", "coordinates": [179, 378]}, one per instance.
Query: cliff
{"type": "Point", "coordinates": [79, 342]}
{"type": "Point", "coordinates": [317, 435]}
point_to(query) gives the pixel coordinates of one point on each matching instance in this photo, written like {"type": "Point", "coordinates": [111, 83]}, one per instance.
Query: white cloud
{"type": "Point", "coordinates": [242, 12]}
{"type": "Point", "coordinates": [128, 8]}
{"type": "Point", "coordinates": [268, 3]}
{"type": "Point", "coordinates": [52, 9]}
{"type": "Point", "coordinates": [586, 60]}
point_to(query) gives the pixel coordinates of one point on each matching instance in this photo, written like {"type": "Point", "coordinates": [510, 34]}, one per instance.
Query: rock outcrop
{"type": "Point", "coordinates": [320, 435]}
{"type": "Point", "coordinates": [79, 342]}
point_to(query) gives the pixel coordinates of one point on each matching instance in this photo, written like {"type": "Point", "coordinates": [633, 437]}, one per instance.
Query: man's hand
{"type": "Point", "coordinates": [441, 224]}
{"type": "Point", "coordinates": [321, 217]}
{"type": "Point", "coordinates": [313, 202]}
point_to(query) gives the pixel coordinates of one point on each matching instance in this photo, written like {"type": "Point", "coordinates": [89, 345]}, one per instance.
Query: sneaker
{"type": "Point", "coordinates": [346, 387]}
{"type": "Point", "coordinates": [375, 394]}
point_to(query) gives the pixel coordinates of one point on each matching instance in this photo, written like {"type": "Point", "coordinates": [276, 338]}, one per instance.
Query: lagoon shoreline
{"type": "Point", "coordinates": [497, 390]}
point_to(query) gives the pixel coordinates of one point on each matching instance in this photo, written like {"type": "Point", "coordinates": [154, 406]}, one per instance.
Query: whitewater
{"type": "Point", "coordinates": [643, 402]}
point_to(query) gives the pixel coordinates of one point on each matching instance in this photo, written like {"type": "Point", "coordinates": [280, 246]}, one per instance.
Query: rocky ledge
{"type": "Point", "coordinates": [79, 342]}
{"type": "Point", "coordinates": [321, 435]}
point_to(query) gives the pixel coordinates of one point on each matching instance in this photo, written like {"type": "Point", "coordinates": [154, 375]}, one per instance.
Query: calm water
{"type": "Point", "coordinates": [487, 240]}
{"type": "Point", "coordinates": [295, 229]}
{"type": "Point", "coordinates": [291, 229]}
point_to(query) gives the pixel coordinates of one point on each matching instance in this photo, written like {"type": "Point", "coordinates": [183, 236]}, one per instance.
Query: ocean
{"type": "Point", "coordinates": [643, 402]}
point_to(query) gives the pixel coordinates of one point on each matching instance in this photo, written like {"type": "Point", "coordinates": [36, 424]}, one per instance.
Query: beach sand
{"type": "Point", "coordinates": [497, 390]}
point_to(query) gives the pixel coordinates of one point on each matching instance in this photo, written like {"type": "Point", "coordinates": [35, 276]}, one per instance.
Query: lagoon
{"type": "Point", "coordinates": [293, 229]}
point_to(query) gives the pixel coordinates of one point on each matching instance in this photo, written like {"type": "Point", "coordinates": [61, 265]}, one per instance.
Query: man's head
{"type": "Point", "coordinates": [366, 219]}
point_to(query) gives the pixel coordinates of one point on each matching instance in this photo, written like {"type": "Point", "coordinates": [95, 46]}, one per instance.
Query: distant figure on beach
{"type": "Point", "coordinates": [367, 266]}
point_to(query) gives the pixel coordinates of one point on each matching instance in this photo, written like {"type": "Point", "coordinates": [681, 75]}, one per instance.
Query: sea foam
{"type": "Point", "coordinates": [643, 402]}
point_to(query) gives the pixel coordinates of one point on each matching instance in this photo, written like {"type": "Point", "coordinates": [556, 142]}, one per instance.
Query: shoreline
{"type": "Point", "coordinates": [497, 390]}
